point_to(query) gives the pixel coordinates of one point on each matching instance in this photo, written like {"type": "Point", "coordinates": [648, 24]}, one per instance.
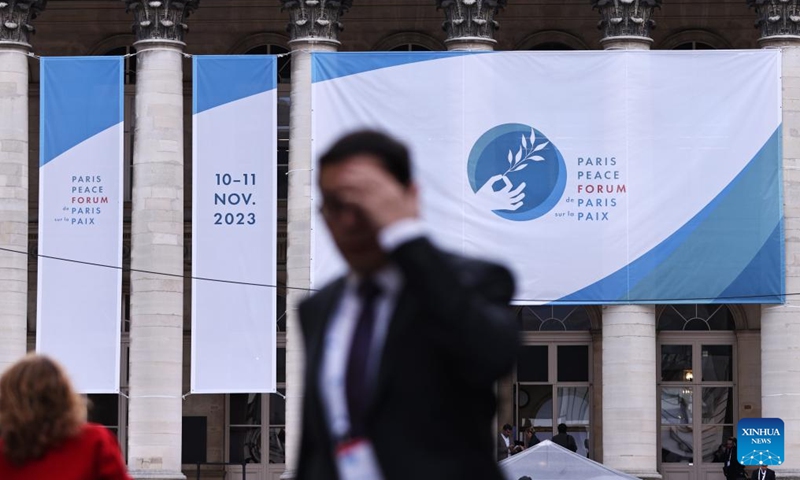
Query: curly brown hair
{"type": "Point", "coordinates": [38, 408]}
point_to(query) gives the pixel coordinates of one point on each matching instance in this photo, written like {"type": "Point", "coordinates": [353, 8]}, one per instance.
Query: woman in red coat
{"type": "Point", "coordinates": [43, 430]}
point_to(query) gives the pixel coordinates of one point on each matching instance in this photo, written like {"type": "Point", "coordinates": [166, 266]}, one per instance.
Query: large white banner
{"type": "Point", "coordinates": [234, 224]}
{"type": "Point", "coordinates": [597, 177]}
{"type": "Point", "coordinates": [80, 218]}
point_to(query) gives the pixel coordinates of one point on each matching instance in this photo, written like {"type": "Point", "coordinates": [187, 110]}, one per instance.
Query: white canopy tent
{"type": "Point", "coordinates": [549, 461]}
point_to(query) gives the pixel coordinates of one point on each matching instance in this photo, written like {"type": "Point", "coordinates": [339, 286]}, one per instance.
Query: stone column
{"type": "Point", "coordinates": [15, 28]}
{"type": "Point", "coordinates": [630, 406]}
{"type": "Point", "coordinates": [629, 394]}
{"type": "Point", "coordinates": [314, 27]}
{"type": "Point", "coordinates": [470, 24]}
{"type": "Point", "coordinates": [155, 408]}
{"type": "Point", "coordinates": [626, 25]}
{"type": "Point", "coordinates": [780, 324]}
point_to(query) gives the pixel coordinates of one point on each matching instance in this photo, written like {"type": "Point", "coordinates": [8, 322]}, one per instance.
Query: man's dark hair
{"type": "Point", "coordinates": [506, 427]}
{"type": "Point", "coordinates": [392, 154]}
{"type": "Point", "coordinates": [562, 428]}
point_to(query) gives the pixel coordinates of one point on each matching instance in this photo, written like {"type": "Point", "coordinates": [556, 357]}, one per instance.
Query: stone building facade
{"type": "Point", "coordinates": [614, 374]}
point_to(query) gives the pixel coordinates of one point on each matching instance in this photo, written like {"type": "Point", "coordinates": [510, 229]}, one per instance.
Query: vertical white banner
{"type": "Point", "coordinates": [80, 218]}
{"type": "Point", "coordinates": [234, 224]}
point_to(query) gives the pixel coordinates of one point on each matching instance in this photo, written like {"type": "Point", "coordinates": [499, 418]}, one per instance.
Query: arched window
{"type": "Point", "coordinates": [695, 318]}
{"type": "Point", "coordinates": [551, 46]}
{"type": "Point", "coordinates": [551, 40]}
{"type": "Point", "coordinates": [410, 47]}
{"type": "Point", "coordinates": [693, 40]}
{"type": "Point", "coordinates": [694, 46]}
{"type": "Point", "coordinates": [554, 318]}
{"type": "Point", "coordinates": [408, 42]}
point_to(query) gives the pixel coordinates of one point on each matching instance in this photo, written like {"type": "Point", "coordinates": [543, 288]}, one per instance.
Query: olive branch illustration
{"type": "Point", "coordinates": [525, 154]}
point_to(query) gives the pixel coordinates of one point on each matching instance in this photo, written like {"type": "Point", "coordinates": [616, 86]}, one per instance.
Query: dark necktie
{"type": "Point", "coordinates": [356, 381]}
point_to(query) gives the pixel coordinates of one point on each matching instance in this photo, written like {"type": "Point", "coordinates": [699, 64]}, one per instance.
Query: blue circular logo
{"type": "Point", "coordinates": [516, 172]}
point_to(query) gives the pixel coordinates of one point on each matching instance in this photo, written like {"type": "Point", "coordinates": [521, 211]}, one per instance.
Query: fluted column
{"type": "Point", "coordinates": [626, 24]}
{"type": "Point", "coordinates": [780, 324]}
{"type": "Point", "coordinates": [157, 227]}
{"type": "Point", "coordinates": [630, 407]}
{"type": "Point", "coordinates": [15, 28]}
{"type": "Point", "coordinates": [314, 26]}
{"type": "Point", "coordinates": [470, 24]}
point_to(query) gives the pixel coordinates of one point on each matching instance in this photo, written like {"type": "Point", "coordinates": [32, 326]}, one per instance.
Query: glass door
{"type": "Point", "coordinates": [697, 403]}
{"type": "Point", "coordinates": [553, 388]}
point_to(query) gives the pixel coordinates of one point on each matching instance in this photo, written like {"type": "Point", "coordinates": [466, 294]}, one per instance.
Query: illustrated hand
{"type": "Point", "coordinates": [503, 199]}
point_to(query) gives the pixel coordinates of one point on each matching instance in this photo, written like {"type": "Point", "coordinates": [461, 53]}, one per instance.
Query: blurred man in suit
{"type": "Point", "coordinates": [403, 351]}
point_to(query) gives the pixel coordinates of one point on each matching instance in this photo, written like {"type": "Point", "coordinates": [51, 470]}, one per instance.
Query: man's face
{"type": "Point", "coordinates": [730, 444]}
{"type": "Point", "coordinates": [355, 237]}
{"type": "Point", "coordinates": [507, 433]}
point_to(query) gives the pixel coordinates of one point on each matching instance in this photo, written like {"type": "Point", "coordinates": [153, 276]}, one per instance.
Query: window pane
{"type": "Point", "coordinates": [245, 409]}
{"type": "Point", "coordinates": [676, 444]}
{"type": "Point", "coordinates": [573, 363]}
{"type": "Point", "coordinates": [573, 405]}
{"type": "Point", "coordinates": [714, 443]}
{"type": "Point", "coordinates": [104, 409]}
{"type": "Point", "coordinates": [283, 171]}
{"type": "Point", "coordinates": [535, 407]}
{"type": "Point", "coordinates": [277, 409]}
{"type": "Point", "coordinates": [281, 366]}
{"type": "Point", "coordinates": [532, 364]}
{"type": "Point", "coordinates": [718, 405]}
{"type": "Point", "coordinates": [676, 406]}
{"type": "Point", "coordinates": [717, 363]}
{"type": "Point", "coordinates": [581, 435]}
{"type": "Point", "coordinates": [277, 445]}
{"type": "Point", "coordinates": [676, 362]}
{"type": "Point", "coordinates": [245, 446]}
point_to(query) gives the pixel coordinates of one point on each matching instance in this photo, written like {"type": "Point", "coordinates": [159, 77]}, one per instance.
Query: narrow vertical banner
{"type": "Point", "coordinates": [80, 218]}
{"type": "Point", "coordinates": [234, 224]}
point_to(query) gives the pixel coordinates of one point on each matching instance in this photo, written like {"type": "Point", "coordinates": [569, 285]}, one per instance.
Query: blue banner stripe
{"type": "Point", "coordinates": [222, 79]}
{"type": "Point", "coordinates": [702, 262]}
{"type": "Point", "coordinates": [80, 97]}
{"type": "Point", "coordinates": [330, 65]}
{"type": "Point", "coordinates": [763, 274]}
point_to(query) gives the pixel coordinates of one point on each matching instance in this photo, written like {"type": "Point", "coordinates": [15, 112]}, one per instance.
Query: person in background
{"type": "Point", "coordinates": [44, 434]}
{"type": "Point", "coordinates": [530, 437]}
{"type": "Point", "coordinates": [731, 467]}
{"type": "Point", "coordinates": [763, 473]}
{"type": "Point", "coordinates": [505, 443]}
{"type": "Point", "coordinates": [564, 439]}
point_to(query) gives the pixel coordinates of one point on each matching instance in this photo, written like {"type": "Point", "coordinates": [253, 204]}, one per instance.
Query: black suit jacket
{"type": "Point", "coordinates": [770, 475]}
{"type": "Point", "coordinates": [566, 440]}
{"type": "Point", "coordinates": [735, 470]}
{"type": "Point", "coordinates": [450, 338]}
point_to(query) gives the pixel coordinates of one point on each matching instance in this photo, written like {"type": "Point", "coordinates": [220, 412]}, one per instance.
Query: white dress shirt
{"type": "Point", "coordinates": [341, 328]}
